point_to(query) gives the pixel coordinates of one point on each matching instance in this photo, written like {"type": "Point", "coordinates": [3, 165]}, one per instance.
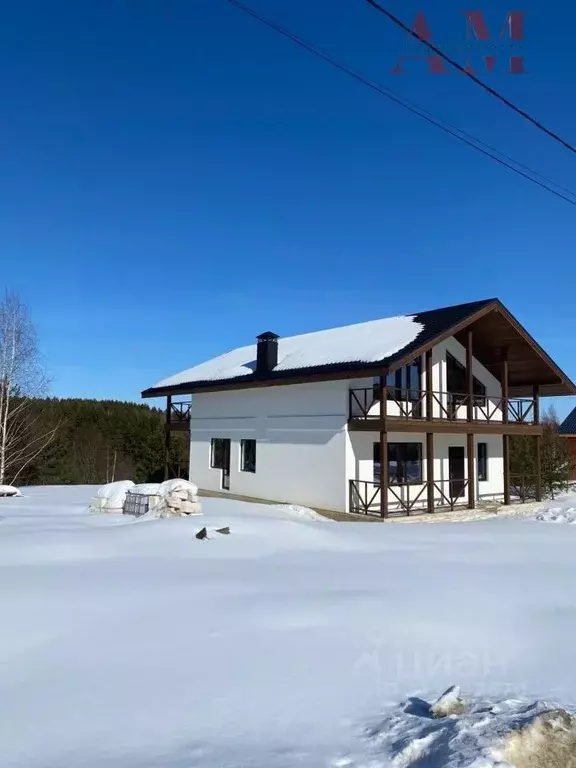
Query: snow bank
{"type": "Point", "coordinates": [510, 733]}
{"type": "Point", "coordinates": [303, 513]}
{"type": "Point", "coordinates": [557, 515]}
{"type": "Point", "coordinates": [9, 490]}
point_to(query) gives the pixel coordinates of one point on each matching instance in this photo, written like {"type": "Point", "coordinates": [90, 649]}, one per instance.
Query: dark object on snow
{"type": "Point", "coordinates": [203, 534]}
{"type": "Point", "coordinates": [225, 531]}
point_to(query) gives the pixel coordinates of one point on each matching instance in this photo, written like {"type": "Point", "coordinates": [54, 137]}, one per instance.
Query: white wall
{"type": "Point", "coordinates": [360, 462]}
{"type": "Point", "coordinates": [301, 442]}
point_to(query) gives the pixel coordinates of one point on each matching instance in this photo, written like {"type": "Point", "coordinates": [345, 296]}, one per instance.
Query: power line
{"type": "Point", "coordinates": [466, 138]}
{"type": "Point", "coordinates": [473, 77]}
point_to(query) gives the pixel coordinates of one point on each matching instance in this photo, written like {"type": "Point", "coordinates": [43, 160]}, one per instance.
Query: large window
{"type": "Point", "coordinates": [402, 384]}
{"type": "Point", "coordinates": [404, 463]}
{"type": "Point", "coordinates": [458, 386]}
{"type": "Point", "coordinates": [482, 461]}
{"type": "Point", "coordinates": [248, 455]}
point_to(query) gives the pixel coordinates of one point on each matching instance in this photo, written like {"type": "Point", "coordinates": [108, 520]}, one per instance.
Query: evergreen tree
{"type": "Point", "coordinates": [556, 462]}
{"type": "Point", "coordinates": [100, 441]}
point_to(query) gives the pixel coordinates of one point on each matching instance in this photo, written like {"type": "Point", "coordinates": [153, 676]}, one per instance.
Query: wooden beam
{"type": "Point", "coordinates": [430, 469]}
{"type": "Point", "coordinates": [471, 473]}
{"type": "Point", "coordinates": [506, 457]}
{"type": "Point", "coordinates": [469, 378]}
{"type": "Point", "coordinates": [383, 397]}
{"type": "Point", "coordinates": [398, 424]}
{"type": "Point", "coordinates": [504, 383]}
{"type": "Point", "coordinates": [429, 387]}
{"type": "Point", "coordinates": [383, 473]}
{"type": "Point", "coordinates": [538, 464]}
{"type": "Point", "coordinates": [167, 437]}
{"type": "Point", "coordinates": [536, 404]}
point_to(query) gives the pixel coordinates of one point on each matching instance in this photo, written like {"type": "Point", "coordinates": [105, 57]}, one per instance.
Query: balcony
{"type": "Point", "coordinates": [178, 416]}
{"type": "Point", "coordinates": [419, 410]}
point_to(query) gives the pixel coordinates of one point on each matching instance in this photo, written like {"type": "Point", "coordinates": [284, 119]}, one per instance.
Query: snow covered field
{"type": "Point", "coordinates": [291, 642]}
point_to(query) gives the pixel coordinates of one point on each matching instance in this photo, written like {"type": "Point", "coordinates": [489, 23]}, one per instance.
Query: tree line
{"type": "Point", "coordinates": [97, 441]}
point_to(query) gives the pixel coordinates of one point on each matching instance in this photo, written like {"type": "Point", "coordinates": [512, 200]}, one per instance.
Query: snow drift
{"type": "Point", "coordinates": [509, 733]}
{"type": "Point", "coordinates": [565, 515]}
{"type": "Point", "coordinates": [9, 490]}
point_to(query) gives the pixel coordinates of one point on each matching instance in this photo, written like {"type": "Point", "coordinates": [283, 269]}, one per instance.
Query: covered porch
{"type": "Point", "coordinates": [430, 472]}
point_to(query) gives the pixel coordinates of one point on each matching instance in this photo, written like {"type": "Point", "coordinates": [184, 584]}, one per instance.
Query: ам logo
{"type": "Point", "coordinates": [476, 30]}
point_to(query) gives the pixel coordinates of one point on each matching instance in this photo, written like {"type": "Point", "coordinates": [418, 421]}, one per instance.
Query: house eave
{"type": "Point", "coordinates": [275, 378]}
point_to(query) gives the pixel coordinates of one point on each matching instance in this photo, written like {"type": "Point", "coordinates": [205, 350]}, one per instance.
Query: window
{"type": "Point", "coordinates": [482, 461]}
{"type": "Point", "coordinates": [377, 465]}
{"type": "Point", "coordinates": [402, 384]}
{"type": "Point", "coordinates": [404, 463]}
{"type": "Point", "coordinates": [248, 455]}
{"type": "Point", "coordinates": [479, 393]}
{"type": "Point", "coordinates": [217, 452]}
{"type": "Point", "coordinates": [458, 386]}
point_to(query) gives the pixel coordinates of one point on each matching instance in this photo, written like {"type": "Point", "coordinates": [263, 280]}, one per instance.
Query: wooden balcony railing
{"type": "Point", "coordinates": [364, 404]}
{"type": "Point", "coordinates": [406, 498]}
{"type": "Point", "coordinates": [180, 413]}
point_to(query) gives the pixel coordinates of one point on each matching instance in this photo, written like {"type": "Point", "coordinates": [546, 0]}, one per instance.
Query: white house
{"type": "Point", "coordinates": [421, 405]}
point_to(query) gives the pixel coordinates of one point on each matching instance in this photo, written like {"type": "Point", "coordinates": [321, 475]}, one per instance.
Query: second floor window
{"type": "Point", "coordinates": [403, 384]}
{"type": "Point", "coordinates": [457, 384]}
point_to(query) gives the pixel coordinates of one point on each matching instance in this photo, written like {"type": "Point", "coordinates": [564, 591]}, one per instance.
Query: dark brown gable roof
{"type": "Point", "coordinates": [494, 330]}
{"type": "Point", "coordinates": [568, 426]}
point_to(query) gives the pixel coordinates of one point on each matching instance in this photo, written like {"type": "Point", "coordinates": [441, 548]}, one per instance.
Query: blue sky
{"type": "Point", "coordinates": [175, 178]}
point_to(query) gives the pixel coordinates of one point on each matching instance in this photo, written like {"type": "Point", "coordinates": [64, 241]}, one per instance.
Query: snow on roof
{"type": "Point", "coordinates": [359, 343]}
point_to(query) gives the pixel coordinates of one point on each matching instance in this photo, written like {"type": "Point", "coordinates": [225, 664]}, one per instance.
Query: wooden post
{"type": "Point", "coordinates": [167, 436]}
{"type": "Point", "coordinates": [537, 458]}
{"type": "Point", "coordinates": [429, 389]}
{"type": "Point", "coordinates": [471, 474]}
{"type": "Point", "coordinates": [469, 377]}
{"type": "Point", "coordinates": [383, 473]}
{"type": "Point", "coordinates": [430, 470]}
{"type": "Point", "coordinates": [506, 458]}
{"type": "Point", "coordinates": [383, 397]}
{"type": "Point", "coordinates": [504, 383]}
{"type": "Point", "coordinates": [538, 444]}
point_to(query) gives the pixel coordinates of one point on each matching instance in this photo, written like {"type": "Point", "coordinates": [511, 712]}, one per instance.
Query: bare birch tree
{"type": "Point", "coordinates": [21, 379]}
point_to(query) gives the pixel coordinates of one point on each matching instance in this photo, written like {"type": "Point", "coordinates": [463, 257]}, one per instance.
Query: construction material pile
{"type": "Point", "coordinates": [172, 498]}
